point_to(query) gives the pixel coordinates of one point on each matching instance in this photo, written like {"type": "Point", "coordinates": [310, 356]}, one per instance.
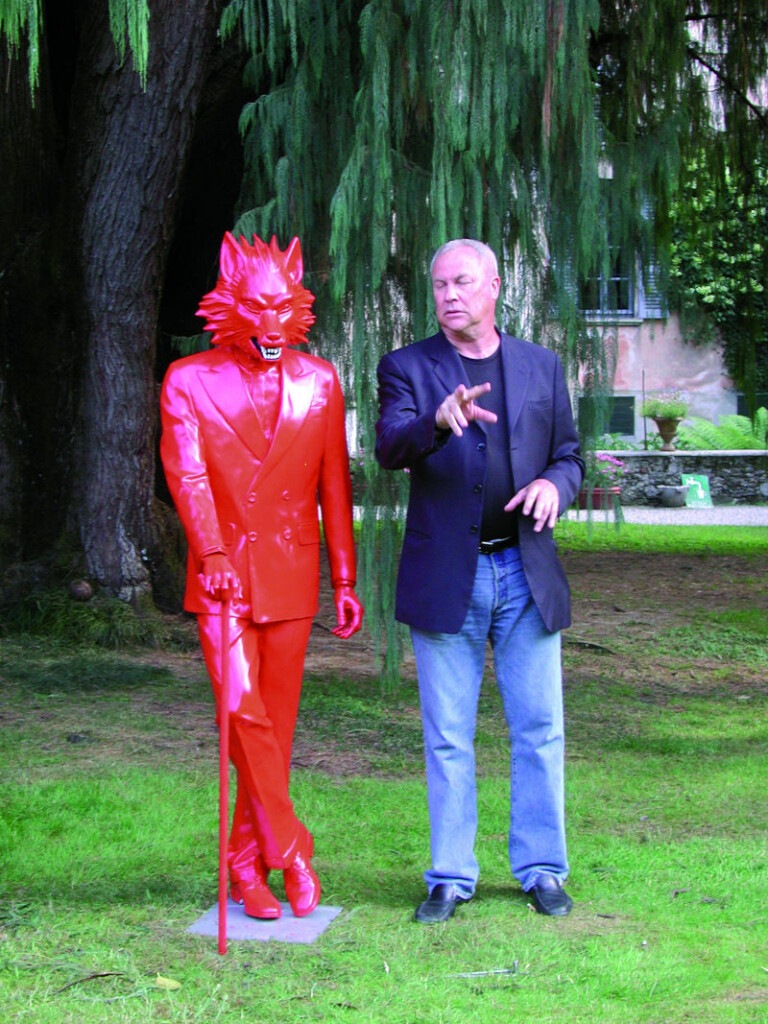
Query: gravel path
{"type": "Point", "coordinates": [719, 515]}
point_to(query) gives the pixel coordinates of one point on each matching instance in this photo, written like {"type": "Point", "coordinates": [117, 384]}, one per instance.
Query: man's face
{"type": "Point", "coordinates": [465, 294]}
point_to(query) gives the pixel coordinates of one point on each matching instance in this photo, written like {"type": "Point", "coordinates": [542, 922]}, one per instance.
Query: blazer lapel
{"type": "Point", "coordinates": [298, 388]}
{"type": "Point", "coordinates": [516, 374]}
{"type": "Point", "coordinates": [225, 387]}
{"type": "Point", "coordinates": [446, 363]}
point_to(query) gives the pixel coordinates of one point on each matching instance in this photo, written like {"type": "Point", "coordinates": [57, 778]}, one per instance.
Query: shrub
{"type": "Point", "coordinates": [603, 470]}
{"type": "Point", "coordinates": [663, 405]}
{"type": "Point", "coordinates": [731, 433]}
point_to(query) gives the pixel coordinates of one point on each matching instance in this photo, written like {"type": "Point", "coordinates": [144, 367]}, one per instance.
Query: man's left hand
{"type": "Point", "coordinates": [349, 612]}
{"type": "Point", "coordinates": [539, 498]}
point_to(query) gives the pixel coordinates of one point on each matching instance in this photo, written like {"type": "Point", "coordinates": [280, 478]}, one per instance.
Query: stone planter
{"type": "Point", "coordinates": [673, 495]}
{"type": "Point", "coordinates": [667, 427]}
{"type": "Point", "coordinates": [602, 497]}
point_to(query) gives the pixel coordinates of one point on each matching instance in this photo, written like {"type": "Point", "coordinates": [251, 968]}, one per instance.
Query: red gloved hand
{"type": "Point", "coordinates": [219, 578]}
{"type": "Point", "coordinates": [349, 612]}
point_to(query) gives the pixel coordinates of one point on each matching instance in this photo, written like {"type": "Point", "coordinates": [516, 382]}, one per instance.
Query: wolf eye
{"type": "Point", "coordinates": [285, 309]}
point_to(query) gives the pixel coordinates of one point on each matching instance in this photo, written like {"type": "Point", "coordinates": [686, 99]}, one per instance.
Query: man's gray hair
{"type": "Point", "coordinates": [485, 253]}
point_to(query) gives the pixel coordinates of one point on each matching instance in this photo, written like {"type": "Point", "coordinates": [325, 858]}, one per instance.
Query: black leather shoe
{"type": "Point", "coordinates": [440, 905]}
{"type": "Point", "coordinates": [550, 898]}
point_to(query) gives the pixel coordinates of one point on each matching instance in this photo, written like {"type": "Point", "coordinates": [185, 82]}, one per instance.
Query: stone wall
{"type": "Point", "coordinates": [735, 477]}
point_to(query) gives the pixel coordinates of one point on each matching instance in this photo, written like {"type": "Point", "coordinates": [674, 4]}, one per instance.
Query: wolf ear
{"type": "Point", "coordinates": [293, 261]}
{"type": "Point", "coordinates": [230, 257]}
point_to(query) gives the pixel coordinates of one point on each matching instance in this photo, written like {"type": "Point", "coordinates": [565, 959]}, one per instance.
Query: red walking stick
{"type": "Point", "coordinates": [224, 772]}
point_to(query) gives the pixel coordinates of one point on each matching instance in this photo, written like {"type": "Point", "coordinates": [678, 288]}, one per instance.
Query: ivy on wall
{"type": "Point", "coordinates": [719, 269]}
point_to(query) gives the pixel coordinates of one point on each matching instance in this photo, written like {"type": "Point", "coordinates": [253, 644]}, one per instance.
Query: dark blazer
{"type": "Point", "coordinates": [447, 475]}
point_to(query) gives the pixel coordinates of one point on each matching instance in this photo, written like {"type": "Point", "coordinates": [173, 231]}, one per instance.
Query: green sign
{"type": "Point", "coordinates": [698, 491]}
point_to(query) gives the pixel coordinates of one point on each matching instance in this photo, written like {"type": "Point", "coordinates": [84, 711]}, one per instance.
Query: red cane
{"type": "Point", "coordinates": [224, 771]}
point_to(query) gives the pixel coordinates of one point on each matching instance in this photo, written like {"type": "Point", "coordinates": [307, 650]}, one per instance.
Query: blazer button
{"type": "Point", "coordinates": [251, 498]}
{"type": "Point", "coordinates": [286, 495]}
{"type": "Point", "coordinates": [477, 488]}
{"type": "Point", "coordinates": [287, 533]}
{"type": "Point", "coordinates": [474, 529]}
{"type": "Point", "coordinates": [253, 537]}
{"type": "Point", "coordinates": [481, 446]}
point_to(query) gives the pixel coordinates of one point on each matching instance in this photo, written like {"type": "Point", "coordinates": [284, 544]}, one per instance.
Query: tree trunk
{"type": "Point", "coordinates": [14, 140]}
{"type": "Point", "coordinates": [37, 356]}
{"type": "Point", "coordinates": [129, 153]}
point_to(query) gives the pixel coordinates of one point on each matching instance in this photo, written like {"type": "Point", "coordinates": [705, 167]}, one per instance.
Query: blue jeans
{"type": "Point", "coordinates": [529, 677]}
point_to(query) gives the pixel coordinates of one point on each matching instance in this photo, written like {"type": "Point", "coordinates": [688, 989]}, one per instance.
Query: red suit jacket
{"type": "Point", "coordinates": [253, 502]}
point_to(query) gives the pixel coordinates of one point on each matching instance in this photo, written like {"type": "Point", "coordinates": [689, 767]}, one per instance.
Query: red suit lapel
{"type": "Point", "coordinates": [226, 388]}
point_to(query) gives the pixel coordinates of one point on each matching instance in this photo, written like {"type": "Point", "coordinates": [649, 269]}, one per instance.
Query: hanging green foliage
{"type": "Point", "coordinates": [19, 20]}
{"type": "Point", "coordinates": [128, 21]}
{"type": "Point", "coordinates": [558, 131]}
{"type": "Point", "coordinates": [554, 130]}
{"type": "Point", "coordinates": [129, 24]}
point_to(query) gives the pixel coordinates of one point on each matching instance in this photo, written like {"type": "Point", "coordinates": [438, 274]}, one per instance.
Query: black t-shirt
{"type": "Point", "coordinates": [499, 486]}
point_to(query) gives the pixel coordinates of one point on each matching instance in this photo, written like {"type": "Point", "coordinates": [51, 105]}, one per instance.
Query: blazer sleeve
{"type": "Point", "coordinates": [335, 492]}
{"type": "Point", "coordinates": [565, 466]}
{"type": "Point", "coordinates": [183, 455]}
{"type": "Point", "coordinates": [405, 433]}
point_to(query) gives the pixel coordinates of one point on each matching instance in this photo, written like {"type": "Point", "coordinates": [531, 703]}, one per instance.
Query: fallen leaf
{"type": "Point", "coordinates": [166, 983]}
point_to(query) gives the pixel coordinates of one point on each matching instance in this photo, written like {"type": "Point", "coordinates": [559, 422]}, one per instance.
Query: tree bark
{"type": "Point", "coordinates": [128, 156]}
{"type": "Point", "coordinates": [36, 351]}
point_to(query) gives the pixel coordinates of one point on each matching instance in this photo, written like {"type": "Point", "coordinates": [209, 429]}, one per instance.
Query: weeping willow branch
{"type": "Point", "coordinates": [128, 22]}
{"type": "Point", "coordinates": [733, 87]}
{"type": "Point", "coordinates": [380, 129]}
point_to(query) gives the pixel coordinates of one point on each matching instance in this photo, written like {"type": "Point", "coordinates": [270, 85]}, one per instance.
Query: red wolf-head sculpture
{"type": "Point", "coordinates": [259, 303]}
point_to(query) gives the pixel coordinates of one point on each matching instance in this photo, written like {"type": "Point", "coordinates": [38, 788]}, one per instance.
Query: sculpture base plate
{"type": "Point", "coordinates": [285, 929]}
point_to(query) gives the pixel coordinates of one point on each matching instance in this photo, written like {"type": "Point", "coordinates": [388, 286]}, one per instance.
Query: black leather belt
{"type": "Point", "coordinates": [487, 547]}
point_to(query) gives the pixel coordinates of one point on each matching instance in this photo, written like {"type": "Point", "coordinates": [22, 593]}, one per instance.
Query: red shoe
{"type": "Point", "coordinates": [302, 886]}
{"type": "Point", "coordinates": [254, 894]}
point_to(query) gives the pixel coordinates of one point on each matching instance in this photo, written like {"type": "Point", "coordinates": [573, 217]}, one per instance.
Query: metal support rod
{"type": "Point", "coordinates": [224, 772]}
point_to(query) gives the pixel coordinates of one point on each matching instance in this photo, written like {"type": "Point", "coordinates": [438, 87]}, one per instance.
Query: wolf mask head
{"type": "Point", "coordinates": [258, 304]}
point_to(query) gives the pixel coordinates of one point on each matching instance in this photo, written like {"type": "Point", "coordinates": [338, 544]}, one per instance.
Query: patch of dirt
{"type": "Point", "coordinates": [621, 600]}
{"type": "Point", "coordinates": [624, 605]}
{"type": "Point", "coordinates": [636, 609]}
{"type": "Point", "coordinates": [630, 617]}
{"type": "Point", "coordinates": [327, 655]}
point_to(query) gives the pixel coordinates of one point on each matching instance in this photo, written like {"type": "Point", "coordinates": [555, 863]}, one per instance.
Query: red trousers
{"type": "Point", "coordinates": [266, 664]}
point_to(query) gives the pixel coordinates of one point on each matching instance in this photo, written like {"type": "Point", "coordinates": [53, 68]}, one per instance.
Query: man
{"type": "Point", "coordinates": [253, 435]}
{"type": "Point", "coordinates": [484, 425]}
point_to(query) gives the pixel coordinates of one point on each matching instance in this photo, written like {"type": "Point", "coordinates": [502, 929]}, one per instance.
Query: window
{"type": "Point", "coordinates": [761, 399]}
{"type": "Point", "coordinates": [629, 285]}
{"type": "Point", "coordinates": [612, 294]}
{"type": "Point", "coordinates": [610, 415]}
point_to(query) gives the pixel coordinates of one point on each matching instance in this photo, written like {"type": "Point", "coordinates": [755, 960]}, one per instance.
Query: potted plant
{"type": "Point", "coordinates": [666, 409]}
{"type": "Point", "coordinates": [602, 481]}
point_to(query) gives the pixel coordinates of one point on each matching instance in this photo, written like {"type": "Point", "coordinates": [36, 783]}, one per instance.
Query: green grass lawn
{"type": "Point", "coordinates": [108, 837]}
{"type": "Point", "coordinates": [747, 541]}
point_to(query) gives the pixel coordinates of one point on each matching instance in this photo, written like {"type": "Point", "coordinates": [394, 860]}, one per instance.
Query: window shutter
{"type": "Point", "coordinates": [650, 298]}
